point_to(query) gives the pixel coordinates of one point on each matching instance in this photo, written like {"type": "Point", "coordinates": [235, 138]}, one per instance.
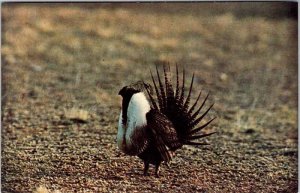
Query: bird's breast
{"type": "Point", "coordinates": [132, 137]}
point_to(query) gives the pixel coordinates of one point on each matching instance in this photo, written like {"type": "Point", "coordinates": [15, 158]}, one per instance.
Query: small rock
{"type": "Point", "coordinates": [77, 115]}
{"type": "Point", "coordinates": [36, 68]}
{"type": "Point", "coordinates": [223, 76]}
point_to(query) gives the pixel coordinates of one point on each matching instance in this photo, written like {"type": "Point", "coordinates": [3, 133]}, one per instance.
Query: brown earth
{"type": "Point", "coordinates": [66, 62]}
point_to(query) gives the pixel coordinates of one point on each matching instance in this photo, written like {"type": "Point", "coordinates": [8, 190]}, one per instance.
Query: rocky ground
{"type": "Point", "coordinates": [63, 65]}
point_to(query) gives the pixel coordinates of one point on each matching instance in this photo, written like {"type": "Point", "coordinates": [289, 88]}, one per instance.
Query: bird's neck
{"type": "Point", "coordinates": [135, 115]}
{"type": "Point", "coordinates": [125, 104]}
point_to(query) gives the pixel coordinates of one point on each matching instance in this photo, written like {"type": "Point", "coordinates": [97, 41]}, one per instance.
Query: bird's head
{"type": "Point", "coordinates": [127, 91]}
{"type": "Point", "coordinates": [140, 86]}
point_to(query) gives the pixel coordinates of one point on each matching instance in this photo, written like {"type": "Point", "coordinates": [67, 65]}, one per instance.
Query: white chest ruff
{"type": "Point", "coordinates": [130, 136]}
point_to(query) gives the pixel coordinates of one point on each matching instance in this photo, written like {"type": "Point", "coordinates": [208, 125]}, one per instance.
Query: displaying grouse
{"type": "Point", "coordinates": [154, 128]}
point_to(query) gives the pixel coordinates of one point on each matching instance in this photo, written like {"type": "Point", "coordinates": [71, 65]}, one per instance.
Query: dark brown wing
{"type": "Point", "coordinates": [164, 133]}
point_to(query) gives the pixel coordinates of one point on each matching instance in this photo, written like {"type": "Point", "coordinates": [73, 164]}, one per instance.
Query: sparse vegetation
{"type": "Point", "coordinates": [61, 64]}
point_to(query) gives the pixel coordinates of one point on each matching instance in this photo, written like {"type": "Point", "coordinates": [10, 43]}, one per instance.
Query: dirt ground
{"type": "Point", "coordinates": [63, 65]}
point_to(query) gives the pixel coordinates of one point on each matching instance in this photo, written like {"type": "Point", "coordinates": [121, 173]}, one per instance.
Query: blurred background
{"type": "Point", "coordinates": [63, 65]}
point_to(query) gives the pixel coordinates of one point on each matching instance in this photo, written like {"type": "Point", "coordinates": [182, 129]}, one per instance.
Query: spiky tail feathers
{"type": "Point", "coordinates": [172, 103]}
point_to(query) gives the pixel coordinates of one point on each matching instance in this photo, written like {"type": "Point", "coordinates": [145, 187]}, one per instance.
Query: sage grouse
{"type": "Point", "coordinates": [153, 129]}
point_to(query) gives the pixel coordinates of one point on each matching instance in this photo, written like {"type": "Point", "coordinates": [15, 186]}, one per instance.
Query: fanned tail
{"type": "Point", "coordinates": [175, 106]}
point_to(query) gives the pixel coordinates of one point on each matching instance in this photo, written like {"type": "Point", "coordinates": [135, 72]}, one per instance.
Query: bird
{"type": "Point", "coordinates": [153, 125]}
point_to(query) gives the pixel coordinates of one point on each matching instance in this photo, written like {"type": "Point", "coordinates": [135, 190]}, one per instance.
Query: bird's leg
{"type": "Point", "coordinates": [157, 170]}
{"type": "Point", "coordinates": [146, 167]}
